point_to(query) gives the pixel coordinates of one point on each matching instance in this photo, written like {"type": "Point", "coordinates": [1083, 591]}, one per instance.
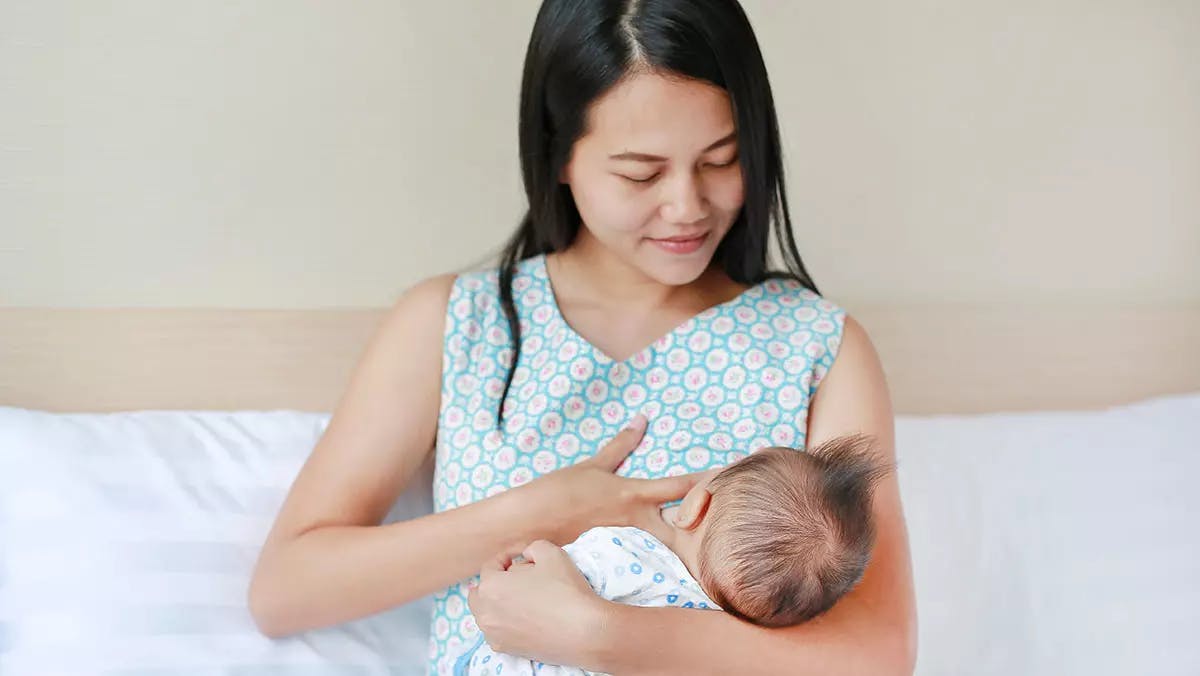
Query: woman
{"type": "Point", "coordinates": [638, 281]}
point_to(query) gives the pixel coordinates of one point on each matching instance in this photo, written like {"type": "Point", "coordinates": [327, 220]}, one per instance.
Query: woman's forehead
{"type": "Point", "coordinates": [652, 113]}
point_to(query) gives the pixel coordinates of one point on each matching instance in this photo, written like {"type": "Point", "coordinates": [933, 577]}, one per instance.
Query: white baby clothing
{"type": "Point", "coordinates": [622, 564]}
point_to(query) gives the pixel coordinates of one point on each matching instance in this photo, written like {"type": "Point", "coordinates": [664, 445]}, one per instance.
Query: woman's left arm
{"type": "Point", "coordinates": [872, 630]}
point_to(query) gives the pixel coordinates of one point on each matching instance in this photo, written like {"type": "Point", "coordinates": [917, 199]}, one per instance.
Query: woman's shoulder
{"type": "Point", "coordinates": [786, 297]}
{"type": "Point", "coordinates": [423, 303]}
{"type": "Point", "coordinates": [793, 324]}
{"type": "Point", "coordinates": [793, 293]}
{"type": "Point", "coordinates": [474, 309]}
{"type": "Point", "coordinates": [486, 281]}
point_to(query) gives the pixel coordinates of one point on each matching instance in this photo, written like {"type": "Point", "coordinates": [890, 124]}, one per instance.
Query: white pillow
{"type": "Point", "coordinates": [1056, 543]}
{"type": "Point", "coordinates": [127, 542]}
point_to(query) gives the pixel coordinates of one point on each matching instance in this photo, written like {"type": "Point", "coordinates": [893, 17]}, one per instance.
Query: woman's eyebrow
{"type": "Point", "coordinates": [643, 157]}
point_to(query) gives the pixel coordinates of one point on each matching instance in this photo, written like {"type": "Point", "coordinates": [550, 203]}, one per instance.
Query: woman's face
{"type": "Point", "coordinates": [656, 176]}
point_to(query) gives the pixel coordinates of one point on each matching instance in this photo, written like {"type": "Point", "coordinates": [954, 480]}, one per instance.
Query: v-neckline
{"type": "Point", "coordinates": [603, 357]}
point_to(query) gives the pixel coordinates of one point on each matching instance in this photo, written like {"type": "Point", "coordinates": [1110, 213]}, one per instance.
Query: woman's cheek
{"type": "Point", "coordinates": [728, 192]}
{"type": "Point", "coordinates": [617, 213]}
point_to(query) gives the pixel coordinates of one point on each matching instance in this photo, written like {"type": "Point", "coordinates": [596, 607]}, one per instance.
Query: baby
{"type": "Point", "coordinates": [774, 539]}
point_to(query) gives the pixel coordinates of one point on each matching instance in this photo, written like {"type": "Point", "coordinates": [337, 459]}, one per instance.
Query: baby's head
{"type": "Point", "coordinates": [785, 533]}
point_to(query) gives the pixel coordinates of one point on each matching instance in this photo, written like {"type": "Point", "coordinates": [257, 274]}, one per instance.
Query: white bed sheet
{"type": "Point", "coordinates": [1043, 543]}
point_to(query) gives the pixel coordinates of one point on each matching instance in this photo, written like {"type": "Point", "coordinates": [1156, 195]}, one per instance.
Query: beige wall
{"type": "Point", "coordinates": [284, 154]}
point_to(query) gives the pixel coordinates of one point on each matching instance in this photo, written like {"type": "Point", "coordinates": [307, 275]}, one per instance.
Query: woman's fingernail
{"type": "Point", "coordinates": [638, 422]}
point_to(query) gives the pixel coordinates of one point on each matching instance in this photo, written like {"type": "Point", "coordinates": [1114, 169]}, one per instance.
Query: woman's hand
{"type": "Point", "coordinates": [589, 494]}
{"type": "Point", "coordinates": [541, 608]}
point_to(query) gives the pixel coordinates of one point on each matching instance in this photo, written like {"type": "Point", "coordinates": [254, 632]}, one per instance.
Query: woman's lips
{"type": "Point", "coordinates": [681, 245]}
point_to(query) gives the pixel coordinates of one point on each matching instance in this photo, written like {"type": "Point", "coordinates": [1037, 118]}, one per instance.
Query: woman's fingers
{"type": "Point", "coordinates": [615, 451]}
{"type": "Point", "coordinates": [653, 492]}
{"type": "Point", "coordinates": [650, 520]}
{"type": "Point", "coordinates": [668, 489]}
{"type": "Point", "coordinates": [539, 550]}
{"type": "Point", "coordinates": [496, 564]}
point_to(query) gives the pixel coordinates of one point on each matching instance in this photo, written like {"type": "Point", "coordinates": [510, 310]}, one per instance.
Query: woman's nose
{"type": "Point", "coordinates": [685, 201]}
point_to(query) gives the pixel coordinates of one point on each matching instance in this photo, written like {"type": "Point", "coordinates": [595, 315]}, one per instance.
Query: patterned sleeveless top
{"type": "Point", "coordinates": [735, 378]}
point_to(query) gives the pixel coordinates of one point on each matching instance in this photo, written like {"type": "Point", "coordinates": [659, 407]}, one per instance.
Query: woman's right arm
{"type": "Point", "coordinates": [326, 559]}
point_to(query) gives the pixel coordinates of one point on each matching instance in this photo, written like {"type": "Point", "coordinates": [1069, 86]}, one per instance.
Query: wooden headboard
{"type": "Point", "coordinates": [938, 358]}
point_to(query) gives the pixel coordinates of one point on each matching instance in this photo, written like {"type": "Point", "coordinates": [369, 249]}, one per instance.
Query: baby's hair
{"type": "Point", "coordinates": [790, 532]}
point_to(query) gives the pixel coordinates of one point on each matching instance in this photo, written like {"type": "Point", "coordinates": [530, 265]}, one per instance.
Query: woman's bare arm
{"type": "Point", "coordinates": [327, 560]}
{"type": "Point", "coordinates": [872, 630]}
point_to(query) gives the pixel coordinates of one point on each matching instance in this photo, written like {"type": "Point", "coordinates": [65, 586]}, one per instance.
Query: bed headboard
{"type": "Point", "coordinates": [938, 358]}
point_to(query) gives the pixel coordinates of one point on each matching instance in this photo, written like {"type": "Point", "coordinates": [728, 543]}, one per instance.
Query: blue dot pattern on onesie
{"type": "Point", "coordinates": [733, 379]}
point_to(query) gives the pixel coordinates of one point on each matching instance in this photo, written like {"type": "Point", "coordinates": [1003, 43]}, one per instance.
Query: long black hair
{"type": "Point", "coordinates": [579, 49]}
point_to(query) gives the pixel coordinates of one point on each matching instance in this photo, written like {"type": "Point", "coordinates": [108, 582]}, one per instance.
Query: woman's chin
{"type": "Point", "coordinates": [676, 270]}
{"type": "Point", "coordinates": [675, 275]}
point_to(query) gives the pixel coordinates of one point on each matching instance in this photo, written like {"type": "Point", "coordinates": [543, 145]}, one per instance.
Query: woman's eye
{"type": "Point", "coordinates": [639, 179]}
{"type": "Point", "coordinates": [727, 163]}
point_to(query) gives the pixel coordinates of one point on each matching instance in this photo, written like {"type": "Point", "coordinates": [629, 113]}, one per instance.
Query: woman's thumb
{"type": "Point", "coordinates": [616, 450]}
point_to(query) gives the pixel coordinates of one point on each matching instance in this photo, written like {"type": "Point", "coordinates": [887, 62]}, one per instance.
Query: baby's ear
{"type": "Point", "coordinates": [695, 504]}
